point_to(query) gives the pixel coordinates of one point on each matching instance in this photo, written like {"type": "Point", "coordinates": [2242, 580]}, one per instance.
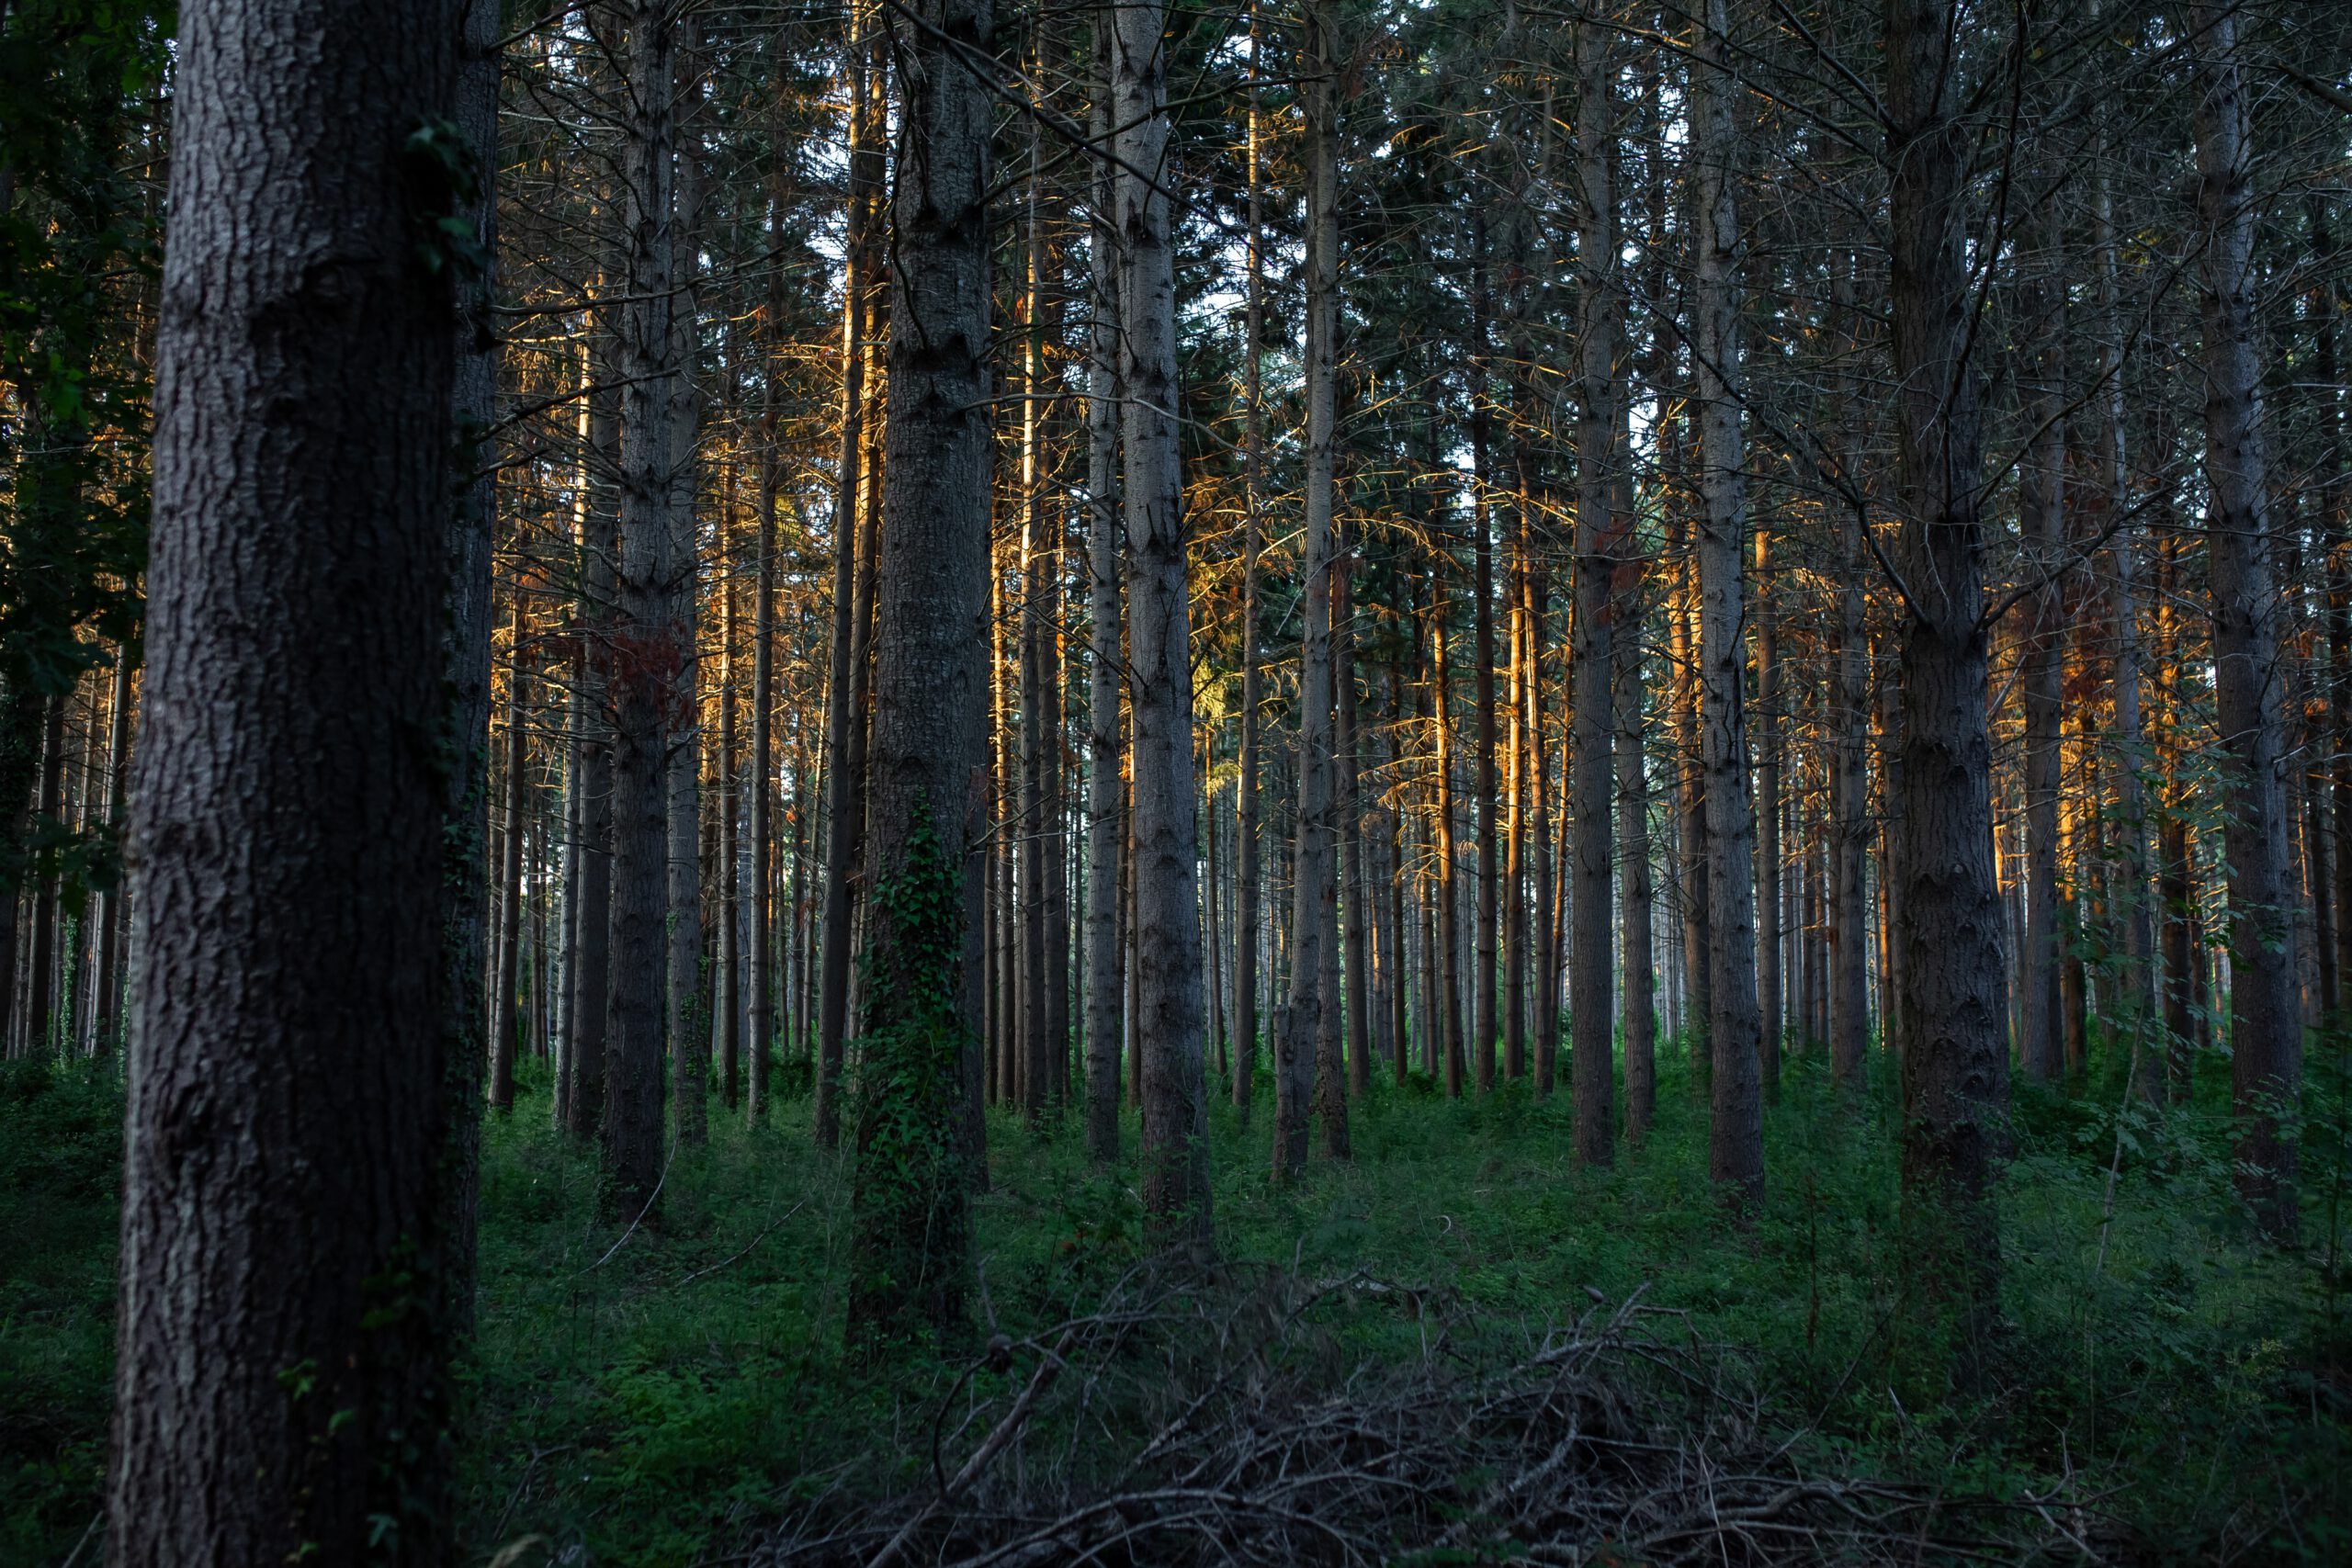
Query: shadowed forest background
{"type": "Point", "coordinates": [944, 782]}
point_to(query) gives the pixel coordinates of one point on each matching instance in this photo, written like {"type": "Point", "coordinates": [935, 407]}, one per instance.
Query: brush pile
{"type": "Point", "coordinates": [1187, 1419]}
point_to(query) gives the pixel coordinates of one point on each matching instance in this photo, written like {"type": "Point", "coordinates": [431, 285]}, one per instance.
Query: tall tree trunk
{"type": "Point", "coordinates": [845, 726]}
{"type": "Point", "coordinates": [1355, 892]}
{"type": "Point", "coordinates": [285, 1025]}
{"type": "Point", "coordinates": [1446, 973]}
{"type": "Point", "coordinates": [1483, 975]}
{"type": "Point", "coordinates": [1955, 1060]}
{"type": "Point", "coordinates": [2042, 639]}
{"type": "Point", "coordinates": [1105, 985]}
{"type": "Point", "coordinates": [1300, 1074]}
{"type": "Point", "coordinates": [600, 554]}
{"type": "Point", "coordinates": [510, 882]}
{"type": "Point", "coordinates": [1168, 934]}
{"type": "Point", "coordinates": [2266, 1029]}
{"type": "Point", "coordinates": [1690, 793]}
{"type": "Point", "coordinates": [1031, 822]}
{"type": "Point", "coordinates": [20, 728]}
{"type": "Point", "coordinates": [726, 1009]}
{"type": "Point", "coordinates": [685, 1021]}
{"type": "Point", "coordinates": [649, 658]}
{"type": "Point", "coordinates": [106, 1029]}
{"type": "Point", "coordinates": [569, 868]}
{"type": "Point", "coordinates": [759, 1004]}
{"type": "Point", "coordinates": [1393, 842]}
{"type": "Point", "coordinates": [1600, 538]}
{"type": "Point", "coordinates": [1635, 900]}
{"type": "Point", "coordinates": [1771, 970]}
{"type": "Point", "coordinates": [40, 996]}
{"type": "Point", "coordinates": [2114, 496]}
{"type": "Point", "coordinates": [1735, 1141]}
{"type": "Point", "coordinates": [2175, 885]}
{"type": "Point", "coordinates": [909, 1259]}
{"type": "Point", "coordinates": [1849, 805]}
{"type": "Point", "coordinates": [1253, 439]}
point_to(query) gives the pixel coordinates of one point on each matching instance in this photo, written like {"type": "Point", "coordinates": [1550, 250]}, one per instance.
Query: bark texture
{"type": "Point", "coordinates": [1949, 931]}
{"type": "Point", "coordinates": [1168, 1018]}
{"type": "Point", "coordinates": [1600, 539]}
{"type": "Point", "coordinates": [910, 1238]}
{"type": "Point", "coordinates": [281, 1381]}
{"type": "Point", "coordinates": [1299, 1076]}
{"type": "Point", "coordinates": [2265, 1025]}
{"type": "Point", "coordinates": [1105, 789]}
{"type": "Point", "coordinates": [648, 656]}
{"type": "Point", "coordinates": [1735, 1139]}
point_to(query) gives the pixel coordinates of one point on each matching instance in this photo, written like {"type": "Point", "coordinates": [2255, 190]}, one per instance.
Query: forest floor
{"type": "Point", "coordinates": [1460, 1295]}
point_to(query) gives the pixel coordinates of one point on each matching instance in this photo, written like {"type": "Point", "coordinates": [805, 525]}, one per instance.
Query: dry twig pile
{"type": "Point", "coordinates": [1189, 1421]}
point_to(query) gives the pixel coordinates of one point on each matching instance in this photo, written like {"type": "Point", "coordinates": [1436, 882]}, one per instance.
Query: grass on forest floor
{"type": "Point", "coordinates": [650, 1399]}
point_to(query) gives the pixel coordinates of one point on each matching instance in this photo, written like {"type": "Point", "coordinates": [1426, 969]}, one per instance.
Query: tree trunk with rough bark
{"type": "Point", "coordinates": [1105, 984]}
{"type": "Point", "coordinates": [2265, 1026]}
{"type": "Point", "coordinates": [1299, 1073]}
{"type": "Point", "coordinates": [1954, 1011]}
{"type": "Point", "coordinates": [648, 660]}
{"type": "Point", "coordinates": [845, 727]}
{"type": "Point", "coordinates": [1735, 1138]}
{"type": "Point", "coordinates": [2042, 639]}
{"type": "Point", "coordinates": [1253, 459]}
{"type": "Point", "coordinates": [1168, 933]}
{"type": "Point", "coordinates": [910, 1255]}
{"type": "Point", "coordinates": [1600, 538]}
{"type": "Point", "coordinates": [279, 1339]}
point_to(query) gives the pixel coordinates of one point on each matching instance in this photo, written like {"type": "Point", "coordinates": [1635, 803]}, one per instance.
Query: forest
{"type": "Point", "coordinates": [1290, 782]}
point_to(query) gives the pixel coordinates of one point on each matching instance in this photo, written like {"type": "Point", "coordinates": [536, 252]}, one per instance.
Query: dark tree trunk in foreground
{"type": "Point", "coordinates": [910, 1242]}
{"type": "Point", "coordinates": [281, 1387]}
{"type": "Point", "coordinates": [2265, 1025]}
{"type": "Point", "coordinates": [1954, 1016]}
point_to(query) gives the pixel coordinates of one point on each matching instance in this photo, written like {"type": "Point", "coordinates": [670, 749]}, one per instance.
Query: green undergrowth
{"type": "Point", "coordinates": [655, 1395]}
